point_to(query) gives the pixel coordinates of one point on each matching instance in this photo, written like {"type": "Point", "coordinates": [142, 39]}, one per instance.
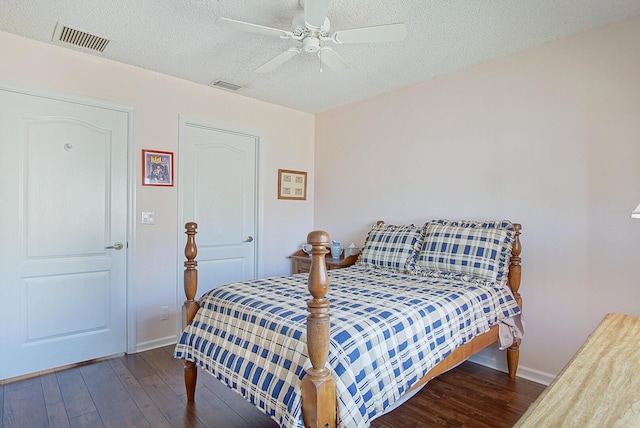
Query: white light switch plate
{"type": "Point", "coordinates": [148, 217]}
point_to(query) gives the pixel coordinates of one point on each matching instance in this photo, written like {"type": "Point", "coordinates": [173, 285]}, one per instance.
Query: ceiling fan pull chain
{"type": "Point", "coordinates": [320, 56]}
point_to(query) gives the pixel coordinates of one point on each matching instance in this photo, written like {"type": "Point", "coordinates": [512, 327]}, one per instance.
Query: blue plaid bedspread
{"type": "Point", "coordinates": [387, 331]}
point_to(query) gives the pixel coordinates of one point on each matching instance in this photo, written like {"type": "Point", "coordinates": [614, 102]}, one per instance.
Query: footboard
{"type": "Point", "coordinates": [319, 404]}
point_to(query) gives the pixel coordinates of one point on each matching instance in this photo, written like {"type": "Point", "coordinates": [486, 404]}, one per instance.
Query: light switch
{"type": "Point", "coordinates": [148, 217]}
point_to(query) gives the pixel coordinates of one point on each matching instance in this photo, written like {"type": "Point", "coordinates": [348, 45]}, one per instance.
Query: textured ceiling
{"type": "Point", "coordinates": [180, 38]}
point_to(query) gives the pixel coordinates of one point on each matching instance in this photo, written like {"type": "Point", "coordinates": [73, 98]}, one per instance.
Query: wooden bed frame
{"type": "Point", "coordinates": [319, 402]}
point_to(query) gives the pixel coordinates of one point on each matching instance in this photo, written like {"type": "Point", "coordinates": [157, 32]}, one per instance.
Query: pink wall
{"type": "Point", "coordinates": [286, 142]}
{"type": "Point", "coordinates": [549, 137]}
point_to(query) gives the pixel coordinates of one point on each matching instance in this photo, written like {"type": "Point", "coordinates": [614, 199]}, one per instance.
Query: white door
{"type": "Point", "coordinates": [219, 193]}
{"type": "Point", "coordinates": [63, 203]}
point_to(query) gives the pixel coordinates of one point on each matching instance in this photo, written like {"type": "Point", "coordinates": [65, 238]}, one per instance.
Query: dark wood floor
{"type": "Point", "coordinates": [147, 390]}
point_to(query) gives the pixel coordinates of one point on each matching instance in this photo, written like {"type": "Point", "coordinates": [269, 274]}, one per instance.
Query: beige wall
{"type": "Point", "coordinates": [549, 137]}
{"type": "Point", "coordinates": [286, 142]}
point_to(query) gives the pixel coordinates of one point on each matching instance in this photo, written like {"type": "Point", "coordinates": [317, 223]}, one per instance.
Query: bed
{"type": "Point", "coordinates": [420, 300]}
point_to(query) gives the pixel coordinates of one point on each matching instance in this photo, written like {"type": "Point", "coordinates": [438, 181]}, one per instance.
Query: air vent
{"type": "Point", "coordinates": [79, 38]}
{"type": "Point", "coordinates": [225, 85]}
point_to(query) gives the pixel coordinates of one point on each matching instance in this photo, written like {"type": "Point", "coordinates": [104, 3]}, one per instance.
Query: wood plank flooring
{"type": "Point", "coordinates": [147, 390]}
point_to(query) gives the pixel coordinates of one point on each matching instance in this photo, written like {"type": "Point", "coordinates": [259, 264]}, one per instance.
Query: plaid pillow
{"type": "Point", "coordinates": [480, 250]}
{"type": "Point", "coordinates": [391, 247]}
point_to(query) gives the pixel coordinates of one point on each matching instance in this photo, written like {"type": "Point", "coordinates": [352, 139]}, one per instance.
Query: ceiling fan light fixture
{"type": "Point", "coordinates": [227, 86]}
{"type": "Point", "coordinates": [311, 44]}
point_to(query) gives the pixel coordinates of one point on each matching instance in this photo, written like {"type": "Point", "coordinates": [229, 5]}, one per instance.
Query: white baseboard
{"type": "Point", "coordinates": [157, 343]}
{"type": "Point", "coordinates": [523, 371]}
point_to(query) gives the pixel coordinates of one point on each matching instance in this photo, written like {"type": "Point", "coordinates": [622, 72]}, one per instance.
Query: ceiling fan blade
{"type": "Point", "coordinates": [315, 11]}
{"type": "Point", "coordinates": [252, 28]}
{"type": "Point", "coordinates": [278, 60]}
{"type": "Point", "coordinates": [334, 61]}
{"type": "Point", "coordinates": [380, 33]}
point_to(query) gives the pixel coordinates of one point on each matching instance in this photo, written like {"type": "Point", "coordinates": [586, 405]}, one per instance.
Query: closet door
{"type": "Point", "coordinates": [63, 240]}
{"type": "Point", "coordinates": [219, 192]}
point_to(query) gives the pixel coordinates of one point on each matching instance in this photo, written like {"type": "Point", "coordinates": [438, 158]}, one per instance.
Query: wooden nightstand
{"type": "Point", "coordinates": [301, 261]}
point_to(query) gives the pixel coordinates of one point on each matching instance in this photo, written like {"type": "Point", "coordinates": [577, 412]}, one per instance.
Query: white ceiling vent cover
{"type": "Point", "coordinates": [79, 38]}
{"type": "Point", "coordinates": [225, 85]}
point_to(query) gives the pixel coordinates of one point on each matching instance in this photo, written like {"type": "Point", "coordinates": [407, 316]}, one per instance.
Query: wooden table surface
{"type": "Point", "coordinates": [600, 387]}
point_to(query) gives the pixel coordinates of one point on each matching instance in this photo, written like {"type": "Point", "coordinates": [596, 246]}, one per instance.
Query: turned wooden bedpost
{"type": "Point", "coordinates": [190, 306]}
{"type": "Point", "coordinates": [515, 275]}
{"type": "Point", "coordinates": [318, 386]}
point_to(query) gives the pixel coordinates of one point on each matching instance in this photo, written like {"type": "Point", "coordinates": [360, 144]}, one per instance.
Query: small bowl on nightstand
{"type": "Point", "coordinates": [307, 248]}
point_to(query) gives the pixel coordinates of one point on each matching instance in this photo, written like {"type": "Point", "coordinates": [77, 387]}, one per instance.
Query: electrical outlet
{"type": "Point", "coordinates": [164, 313]}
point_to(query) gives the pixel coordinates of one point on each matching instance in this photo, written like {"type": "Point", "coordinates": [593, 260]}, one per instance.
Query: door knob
{"type": "Point", "coordinates": [249, 239]}
{"type": "Point", "coordinates": [116, 246]}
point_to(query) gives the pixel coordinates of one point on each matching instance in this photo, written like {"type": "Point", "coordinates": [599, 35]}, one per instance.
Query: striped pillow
{"type": "Point", "coordinates": [390, 247]}
{"type": "Point", "coordinates": [480, 250]}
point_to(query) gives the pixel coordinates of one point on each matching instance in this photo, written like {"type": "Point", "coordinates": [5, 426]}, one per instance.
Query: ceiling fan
{"type": "Point", "coordinates": [312, 29]}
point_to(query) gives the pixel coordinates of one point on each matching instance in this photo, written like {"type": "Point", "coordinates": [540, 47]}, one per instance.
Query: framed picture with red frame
{"type": "Point", "coordinates": [157, 168]}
